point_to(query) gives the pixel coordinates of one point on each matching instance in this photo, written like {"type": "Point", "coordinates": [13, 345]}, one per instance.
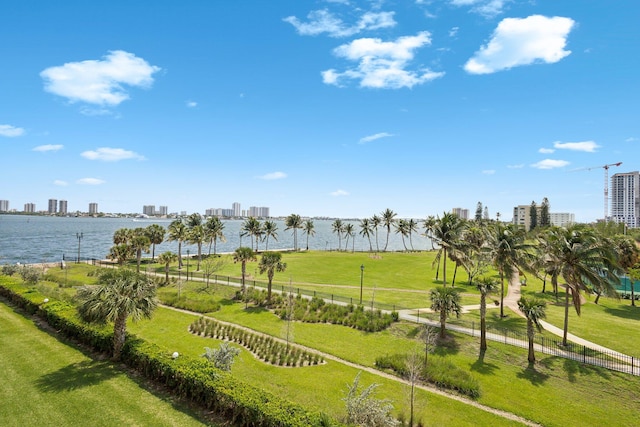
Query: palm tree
{"type": "Point", "coordinates": [429, 226]}
{"type": "Point", "coordinates": [486, 286]}
{"type": "Point", "coordinates": [309, 229]}
{"type": "Point", "coordinates": [120, 294]}
{"type": "Point", "coordinates": [293, 222]}
{"type": "Point", "coordinates": [534, 310]}
{"type": "Point", "coordinates": [139, 243]}
{"type": "Point", "coordinates": [121, 235]}
{"type": "Point", "coordinates": [178, 233]}
{"type": "Point", "coordinates": [251, 227]}
{"type": "Point", "coordinates": [628, 256]}
{"type": "Point", "coordinates": [446, 233]}
{"type": "Point", "coordinates": [582, 259]}
{"type": "Point", "coordinates": [243, 255]}
{"type": "Point", "coordinates": [194, 220]}
{"type": "Point", "coordinates": [365, 231]}
{"type": "Point", "coordinates": [270, 262]}
{"type": "Point", "coordinates": [167, 258]}
{"type": "Point", "coordinates": [412, 227]}
{"type": "Point", "coordinates": [214, 231]}
{"type": "Point", "coordinates": [338, 227]}
{"type": "Point", "coordinates": [120, 253]}
{"type": "Point", "coordinates": [388, 218]}
{"type": "Point", "coordinates": [269, 229]}
{"type": "Point", "coordinates": [155, 233]}
{"type": "Point", "coordinates": [402, 228]}
{"type": "Point", "coordinates": [446, 301]}
{"type": "Point", "coordinates": [197, 236]}
{"type": "Point", "coordinates": [348, 232]}
{"type": "Point", "coordinates": [471, 249]}
{"type": "Point", "coordinates": [375, 223]}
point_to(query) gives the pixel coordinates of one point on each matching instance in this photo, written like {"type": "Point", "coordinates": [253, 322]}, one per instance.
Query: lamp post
{"type": "Point", "coordinates": [79, 236]}
{"type": "Point", "coordinates": [361, 279]}
{"type": "Point", "coordinates": [188, 264]}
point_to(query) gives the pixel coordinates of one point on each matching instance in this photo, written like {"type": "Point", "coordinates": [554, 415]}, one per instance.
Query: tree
{"type": "Point", "coordinates": [471, 248]}
{"type": "Point", "coordinates": [309, 230]}
{"type": "Point", "coordinates": [167, 258]}
{"type": "Point", "coordinates": [197, 236]}
{"type": "Point", "coordinates": [348, 232]}
{"type": "Point", "coordinates": [338, 227]}
{"type": "Point", "coordinates": [139, 242]}
{"type": "Point", "coordinates": [365, 231]}
{"type": "Point", "coordinates": [429, 225]}
{"type": "Point", "coordinates": [375, 223]}
{"type": "Point", "coordinates": [545, 218]}
{"type": "Point", "coordinates": [428, 335]}
{"type": "Point", "coordinates": [485, 215]}
{"type": "Point", "coordinates": [628, 256]}
{"type": "Point", "coordinates": [120, 253]}
{"type": "Point", "coordinates": [121, 236]}
{"type": "Point", "coordinates": [365, 410]}
{"type": "Point", "coordinates": [402, 228]}
{"type": "Point", "coordinates": [194, 220]}
{"type": "Point", "coordinates": [479, 212]}
{"type": "Point", "coordinates": [222, 357]}
{"type": "Point", "coordinates": [251, 227]}
{"type": "Point", "coordinates": [243, 255]}
{"type": "Point", "coordinates": [388, 218]}
{"type": "Point", "coordinates": [178, 233]}
{"type": "Point", "coordinates": [120, 294]}
{"type": "Point", "coordinates": [414, 367]}
{"type": "Point", "coordinates": [534, 310]}
{"type": "Point", "coordinates": [293, 222]}
{"type": "Point", "coordinates": [445, 301]}
{"type": "Point", "coordinates": [533, 216]}
{"type": "Point", "coordinates": [210, 266]}
{"type": "Point", "coordinates": [155, 233]}
{"type": "Point", "coordinates": [412, 227]}
{"type": "Point", "coordinates": [214, 231]}
{"type": "Point", "coordinates": [270, 262]}
{"type": "Point", "coordinates": [269, 229]}
{"type": "Point", "coordinates": [446, 232]}
{"type": "Point", "coordinates": [486, 286]}
{"type": "Point", "coordinates": [634, 276]}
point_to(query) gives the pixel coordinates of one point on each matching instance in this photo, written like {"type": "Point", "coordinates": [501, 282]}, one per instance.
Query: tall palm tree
{"type": "Point", "coordinates": [155, 233]}
{"type": "Point", "coordinates": [628, 256]}
{"type": "Point", "coordinates": [338, 227]}
{"type": "Point", "coordinates": [120, 294]}
{"type": "Point", "coordinates": [121, 235]}
{"type": "Point", "coordinates": [402, 228]}
{"type": "Point", "coordinates": [388, 218]}
{"type": "Point", "coordinates": [583, 260]}
{"type": "Point", "coordinates": [194, 219]}
{"type": "Point", "coordinates": [196, 235]}
{"type": "Point", "coordinates": [167, 258]}
{"type": "Point", "coordinates": [534, 310]}
{"type": "Point", "coordinates": [243, 255]}
{"type": "Point", "coordinates": [429, 226]}
{"type": "Point", "coordinates": [486, 286]}
{"type": "Point", "coordinates": [269, 229]}
{"type": "Point", "coordinates": [178, 233]}
{"type": "Point", "coordinates": [412, 227]}
{"type": "Point", "coordinates": [120, 253]}
{"type": "Point", "coordinates": [446, 232]}
{"type": "Point", "coordinates": [375, 223]}
{"type": "Point", "coordinates": [253, 228]}
{"type": "Point", "coordinates": [445, 301]}
{"type": "Point", "coordinates": [139, 243]}
{"type": "Point", "coordinates": [214, 230]}
{"type": "Point", "coordinates": [365, 231]}
{"type": "Point", "coordinates": [348, 232]}
{"type": "Point", "coordinates": [471, 249]}
{"type": "Point", "coordinates": [293, 222]}
{"type": "Point", "coordinates": [309, 230]}
{"type": "Point", "coordinates": [270, 262]}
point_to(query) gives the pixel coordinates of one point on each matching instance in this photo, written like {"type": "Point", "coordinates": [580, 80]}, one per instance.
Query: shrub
{"type": "Point", "coordinates": [10, 269]}
{"type": "Point", "coordinates": [30, 274]}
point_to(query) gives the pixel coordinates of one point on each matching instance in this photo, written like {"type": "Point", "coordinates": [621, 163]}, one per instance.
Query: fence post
{"type": "Point", "coordinates": [584, 354]}
{"type": "Point", "coordinates": [418, 315]}
{"type": "Point", "coordinates": [314, 294]}
{"type": "Point", "coordinates": [351, 300]}
{"type": "Point", "coordinates": [331, 298]}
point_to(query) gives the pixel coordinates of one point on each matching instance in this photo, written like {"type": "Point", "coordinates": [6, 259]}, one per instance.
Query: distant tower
{"type": "Point", "coordinates": [4, 206]}
{"type": "Point", "coordinates": [93, 208]}
{"type": "Point", "coordinates": [236, 209]}
{"type": "Point", "coordinates": [625, 198]}
{"type": "Point", "coordinates": [62, 207]}
{"type": "Point", "coordinates": [53, 206]}
{"type": "Point", "coordinates": [29, 207]}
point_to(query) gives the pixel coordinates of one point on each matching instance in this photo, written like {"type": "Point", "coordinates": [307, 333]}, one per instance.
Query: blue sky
{"type": "Point", "coordinates": [321, 108]}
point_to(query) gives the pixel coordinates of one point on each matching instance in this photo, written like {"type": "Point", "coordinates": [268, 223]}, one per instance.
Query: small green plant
{"type": "Point", "coordinates": [222, 357]}
{"type": "Point", "coordinates": [30, 274]}
{"type": "Point", "coordinates": [10, 269]}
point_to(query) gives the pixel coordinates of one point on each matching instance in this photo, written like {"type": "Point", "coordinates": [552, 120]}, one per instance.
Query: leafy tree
{"type": "Point", "coordinates": [222, 357]}
{"type": "Point", "coordinates": [338, 227]}
{"type": "Point", "coordinates": [545, 217]}
{"type": "Point", "coordinates": [178, 233]}
{"type": "Point", "coordinates": [293, 222]}
{"type": "Point", "coordinates": [365, 231]}
{"type": "Point", "coordinates": [155, 233]}
{"type": "Point", "coordinates": [270, 262]}
{"type": "Point", "coordinates": [365, 410]}
{"type": "Point", "coordinates": [485, 215]}
{"type": "Point", "coordinates": [122, 235]}
{"type": "Point", "coordinates": [628, 256]}
{"type": "Point", "coordinates": [388, 218]}
{"type": "Point", "coordinates": [533, 216]}
{"type": "Point", "coordinates": [309, 230]}
{"type": "Point", "coordinates": [479, 212]}
{"type": "Point", "coordinates": [269, 229]}
{"type": "Point", "coordinates": [210, 266]}
{"type": "Point", "coordinates": [120, 294]}
{"type": "Point", "coordinates": [486, 286]}
{"type": "Point", "coordinates": [30, 274]}
{"type": "Point", "coordinates": [10, 269]}
{"type": "Point", "coordinates": [445, 301]}
{"type": "Point", "coordinates": [534, 311]}
{"type": "Point", "coordinates": [446, 232]}
{"type": "Point", "coordinates": [214, 231]}
{"type": "Point", "coordinates": [167, 258]}
{"type": "Point", "coordinates": [120, 253]}
{"type": "Point", "coordinates": [243, 255]}
{"type": "Point", "coordinates": [428, 336]}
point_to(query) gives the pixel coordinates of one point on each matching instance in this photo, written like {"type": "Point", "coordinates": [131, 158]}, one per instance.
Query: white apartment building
{"type": "Point", "coordinates": [4, 206]}
{"type": "Point", "coordinates": [625, 198]}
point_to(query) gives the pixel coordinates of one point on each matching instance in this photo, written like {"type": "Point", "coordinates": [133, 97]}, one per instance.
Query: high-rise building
{"type": "Point", "coordinates": [461, 213]}
{"type": "Point", "coordinates": [149, 210]}
{"type": "Point", "coordinates": [236, 209]}
{"type": "Point", "coordinates": [53, 206]}
{"type": "Point", "coordinates": [164, 210]}
{"type": "Point", "coordinates": [522, 217]}
{"type": "Point", "coordinates": [625, 198]}
{"type": "Point", "coordinates": [4, 206]}
{"type": "Point", "coordinates": [62, 207]}
{"type": "Point", "coordinates": [262, 212]}
{"type": "Point", "coordinates": [93, 208]}
{"type": "Point", "coordinates": [29, 207]}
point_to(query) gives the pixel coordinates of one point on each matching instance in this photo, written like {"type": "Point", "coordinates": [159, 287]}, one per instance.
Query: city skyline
{"type": "Point", "coordinates": [327, 108]}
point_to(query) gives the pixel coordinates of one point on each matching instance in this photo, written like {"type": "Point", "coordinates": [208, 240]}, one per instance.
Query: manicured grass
{"type": "Point", "coordinates": [46, 382]}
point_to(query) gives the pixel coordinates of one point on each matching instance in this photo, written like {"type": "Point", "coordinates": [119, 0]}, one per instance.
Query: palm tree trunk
{"type": "Point", "coordinates": [119, 334]}
{"type": "Point", "coordinates": [387, 242]}
{"type": "Point", "coordinates": [530, 335]}
{"type": "Point", "coordinates": [633, 297]}
{"type": "Point", "coordinates": [377, 245]}
{"type": "Point", "coordinates": [444, 268]}
{"type": "Point", "coordinates": [166, 273]}
{"type": "Point", "coordinates": [501, 294]}
{"type": "Point", "coordinates": [566, 317]}
{"type": "Point", "coordinates": [483, 322]}
{"type": "Point", "coordinates": [443, 322]}
{"type": "Point", "coordinates": [138, 258]}
{"type": "Point", "coordinates": [455, 272]}
{"type": "Point", "coordinates": [370, 247]}
{"type": "Point", "coordinates": [180, 254]}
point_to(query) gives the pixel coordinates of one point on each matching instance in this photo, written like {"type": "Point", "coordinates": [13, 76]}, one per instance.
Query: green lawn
{"type": "Point", "coordinates": [46, 382]}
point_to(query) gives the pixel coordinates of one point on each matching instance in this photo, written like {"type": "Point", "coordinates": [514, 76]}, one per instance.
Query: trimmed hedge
{"type": "Point", "coordinates": [194, 379]}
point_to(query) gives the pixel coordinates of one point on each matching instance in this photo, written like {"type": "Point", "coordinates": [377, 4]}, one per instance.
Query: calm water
{"type": "Point", "coordinates": [34, 239]}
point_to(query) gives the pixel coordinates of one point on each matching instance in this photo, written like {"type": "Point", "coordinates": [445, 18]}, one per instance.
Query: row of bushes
{"type": "Point", "coordinates": [265, 348]}
{"type": "Point", "coordinates": [194, 379]}
{"type": "Point", "coordinates": [191, 304]}
{"type": "Point", "coordinates": [438, 371]}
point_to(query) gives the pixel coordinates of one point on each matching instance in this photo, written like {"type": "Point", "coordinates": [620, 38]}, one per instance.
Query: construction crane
{"type": "Point", "coordinates": [606, 185]}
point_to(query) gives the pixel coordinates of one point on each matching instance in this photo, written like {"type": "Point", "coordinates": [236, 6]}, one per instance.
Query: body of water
{"type": "Point", "coordinates": [34, 239]}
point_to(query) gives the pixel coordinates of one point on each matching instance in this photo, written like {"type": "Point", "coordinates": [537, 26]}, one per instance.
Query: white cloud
{"type": "Point", "coordinates": [588, 146]}
{"type": "Point", "coordinates": [323, 21]}
{"type": "Point", "coordinates": [518, 166]}
{"type": "Point", "coordinates": [488, 8]}
{"type": "Point", "coordinates": [339, 193]}
{"type": "Point", "coordinates": [374, 137]}
{"type": "Point", "coordinates": [631, 139]}
{"type": "Point", "coordinates": [453, 31]}
{"type": "Point", "coordinates": [48, 147]}
{"type": "Point", "coordinates": [525, 41]}
{"type": "Point", "coordinates": [10, 131]}
{"type": "Point", "coordinates": [107, 154]}
{"type": "Point", "coordinates": [273, 175]}
{"type": "Point", "coordinates": [192, 104]}
{"type": "Point", "coordinates": [488, 172]}
{"type": "Point", "coordinates": [90, 181]}
{"type": "Point", "coordinates": [99, 81]}
{"type": "Point", "coordinates": [550, 164]}
{"type": "Point", "coordinates": [60, 183]}
{"type": "Point", "coordinates": [546, 150]}
{"type": "Point", "coordinates": [382, 64]}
